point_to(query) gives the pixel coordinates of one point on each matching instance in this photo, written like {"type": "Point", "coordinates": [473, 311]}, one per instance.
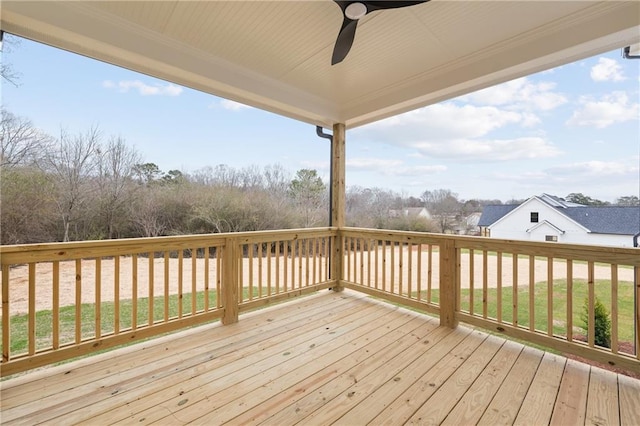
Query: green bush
{"type": "Point", "coordinates": [602, 323]}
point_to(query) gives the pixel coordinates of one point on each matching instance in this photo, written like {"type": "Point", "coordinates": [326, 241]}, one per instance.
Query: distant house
{"type": "Point", "coordinates": [410, 212]}
{"type": "Point", "coordinates": [550, 218]}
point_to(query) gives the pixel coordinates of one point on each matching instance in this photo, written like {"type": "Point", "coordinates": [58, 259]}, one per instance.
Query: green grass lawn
{"type": "Point", "coordinates": [44, 319]}
{"type": "Point", "coordinates": [602, 291]}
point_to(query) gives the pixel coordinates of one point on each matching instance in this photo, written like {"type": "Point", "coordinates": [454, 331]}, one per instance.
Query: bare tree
{"type": "Point", "coordinates": [444, 206]}
{"type": "Point", "coordinates": [71, 163]}
{"type": "Point", "coordinates": [7, 72]}
{"type": "Point", "coordinates": [116, 168]}
{"type": "Point", "coordinates": [20, 141]}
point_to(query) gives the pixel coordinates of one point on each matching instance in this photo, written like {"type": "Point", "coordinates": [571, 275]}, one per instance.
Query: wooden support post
{"type": "Point", "coordinates": [230, 282]}
{"type": "Point", "coordinates": [448, 284]}
{"type": "Point", "coordinates": [338, 202]}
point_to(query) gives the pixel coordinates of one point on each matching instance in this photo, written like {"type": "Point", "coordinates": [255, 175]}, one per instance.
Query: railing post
{"type": "Point", "coordinates": [338, 203]}
{"type": "Point", "coordinates": [448, 283]}
{"type": "Point", "coordinates": [337, 260]}
{"type": "Point", "coordinates": [230, 282]}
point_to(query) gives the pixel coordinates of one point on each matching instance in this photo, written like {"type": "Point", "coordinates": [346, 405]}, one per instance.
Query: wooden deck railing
{"type": "Point", "coordinates": [537, 292]}
{"type": "Point", "coordinates": [64, 300]}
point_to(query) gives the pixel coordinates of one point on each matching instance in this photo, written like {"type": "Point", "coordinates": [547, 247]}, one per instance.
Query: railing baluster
{"type": "Point", "coordinates": [614, 308]}
{"type": "Point", "coordinates": [377, 251]}
{"type": "Point", "coordinates": [239, 266]}
{"type": "Point", "coordinates": [400, 267]}
{"type": "Point", "coordinates": [472, 275]}
{"type": "Point", "coordinates": [134, 291]}
{"type": "Point", "coordinates": [269, 246]}
{"type": "Point", "coordinates": [532, 296]}
{"type": "Point", "coordinates": [167, 261]}
{"type": "Point", "coordinates": [361, 252]}
{"type": "Point", "coordinates": [116, 295]}
{"type": "Point", "coordinates": [570, 300]}
{"type": "Point", "coordinates": [250, 249]}
{"type": "Point", "coordinates": [6, 314]}
{"type": "Point", "coordinates": [369, 244]}
{"type": "Point", "coordinates": [219, 251]}
{"type": "Point", "coordinates": [429, 271]}
{"type": "Point", "coordinates": [151, 283]}
{"type": "Point", "coordinates": [78, 307]}
{"type": "Point", "coordinates": [485, 278]}
{"type": "Point", "coordinates": [306, 261]}
{"type": "Point", "coordinates": [285, 266]}
{"type": "Point", "coordinates": [300, 250]}
{"type": "Point", "coordinates": [499, 286]}
{"type": "Point", "coordinates": [206, 279]}
{"type": "Point", "coordinates": [32, 309]}
{"type": "Point", "coordinates": [514, 303]}
{"type": "Point", "coordinates": [314, 258]}
{"type": "Point", "coordinates": [384, 265]}
{"type": "Point", "coordinates": [419, 271]}
{"type": "Point", "coordinates": [277, 256]}
{"type": "Point", "coordinates": [591, 332]}
{"type": "Point", "coordinates": [180, 281]}
{"type": "Point", "coordinates": [409, 269]}
{"type": "Point", "coordinates": [194, 280]}
{"type": "Point", "coordinates": [98, 297]}
{"type": "Point", "coordinates": [550, 296]}
{"type": "Point", "coordinates": [393, 268]}
{"type": "Point", "coordinates": [260, 283]}
{"type": "Point", "coordinates": [55, 315]}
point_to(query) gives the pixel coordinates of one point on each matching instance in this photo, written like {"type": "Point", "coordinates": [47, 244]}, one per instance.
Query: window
{"type": "Point", "coordinates": [552, 238]}
{"type": "Point", "coordinates": [534, 217]}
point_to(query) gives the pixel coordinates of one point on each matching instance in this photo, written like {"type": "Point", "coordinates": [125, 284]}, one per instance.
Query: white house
{"type": "Point", "coordinates": [410, 212]}
{"type": "Point", "coordinates": [549, 218]}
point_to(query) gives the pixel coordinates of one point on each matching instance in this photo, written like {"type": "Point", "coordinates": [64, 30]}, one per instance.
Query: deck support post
{"type": "Point", "coordinates": [230, 282]}
{"type": "Point", "coordinates": [338, 201]}
{"type": "Point", "coordinates": [448, 284]}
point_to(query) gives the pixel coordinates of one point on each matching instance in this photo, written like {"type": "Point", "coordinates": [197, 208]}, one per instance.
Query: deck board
{"type": "Point", "coordinates": [329, 358]}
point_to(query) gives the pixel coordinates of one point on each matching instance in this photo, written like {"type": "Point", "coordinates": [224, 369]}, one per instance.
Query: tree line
{"type": "Point", "coordinates": [88, 186]}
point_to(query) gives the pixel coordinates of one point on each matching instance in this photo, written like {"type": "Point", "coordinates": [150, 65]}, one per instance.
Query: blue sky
{"type": "Point", "coordinates": [574, 128]}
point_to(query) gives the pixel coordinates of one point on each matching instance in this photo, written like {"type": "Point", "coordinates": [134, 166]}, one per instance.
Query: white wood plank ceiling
{"type": "Point", "coordinates": [276, 55]}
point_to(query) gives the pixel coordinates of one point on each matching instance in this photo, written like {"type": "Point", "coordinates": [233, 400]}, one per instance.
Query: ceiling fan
{"type": "Point", "coordinates": [352, 12]}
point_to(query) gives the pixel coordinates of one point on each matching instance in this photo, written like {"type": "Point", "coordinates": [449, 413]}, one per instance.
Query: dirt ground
{"type": "Point", "coordinates": [193, 276]}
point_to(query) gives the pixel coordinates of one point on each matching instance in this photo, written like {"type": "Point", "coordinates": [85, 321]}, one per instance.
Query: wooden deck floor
{"type": "Point", "coordinates": [330, 358]}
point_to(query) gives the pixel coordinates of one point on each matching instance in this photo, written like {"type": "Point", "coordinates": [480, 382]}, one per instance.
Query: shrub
{"type": "Point", "coordinates": [602, 322]}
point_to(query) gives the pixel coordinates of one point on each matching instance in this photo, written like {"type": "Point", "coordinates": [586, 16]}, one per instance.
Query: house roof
{"type": "Point", "coordinates": [492, 213]}
{"type": "Point", "coordinates": [608, 219]}
{"type": "Point", "coordinates": [619, 220]}
{"type": "Point", "coordinates": [276, 55]}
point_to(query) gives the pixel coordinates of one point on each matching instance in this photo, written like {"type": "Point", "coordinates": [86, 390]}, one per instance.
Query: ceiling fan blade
{"type": "Point", "coordinates": [348, 31]}
{"type": "Point", "coordinates": [378, 5]}
{"type": "Point", "coordinates": [345, 40]}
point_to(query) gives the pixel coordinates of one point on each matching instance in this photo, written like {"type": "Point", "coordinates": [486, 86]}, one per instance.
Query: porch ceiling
{"type": "Point", "coordinates": [276, 55]}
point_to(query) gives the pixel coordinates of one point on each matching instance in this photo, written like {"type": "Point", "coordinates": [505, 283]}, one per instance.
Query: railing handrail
{"type": "Point", "coordinates": [628, 255]}
{"type": "Point", "coordinates": [39, 252]}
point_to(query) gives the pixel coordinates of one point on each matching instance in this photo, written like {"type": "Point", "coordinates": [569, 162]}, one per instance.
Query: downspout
{"type": "Point", "coordinates": [320, 132]}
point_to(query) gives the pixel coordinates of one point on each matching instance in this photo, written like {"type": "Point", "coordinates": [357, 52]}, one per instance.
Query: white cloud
{"type": "Point", "coordinates": [519, 94]}
{"type": "Point", "coordinates": [124, 86]}
{"type": "Point", "coordinates": [490, 150]}
{"type": "Point", "coordinates": [610, 109]}
{"type": "Point", "coordinates": [440, 122]}
{"type": "Point", "coordinates": [607, 70]}
{"type": "Point", "coordinates": [233, 105]}
{"type": "Point", "coordinates": [389, 167]}
{"type": "Point", "coordinates": [593, 169]}
{"type": "Point", "coordinates": [372, 163]}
